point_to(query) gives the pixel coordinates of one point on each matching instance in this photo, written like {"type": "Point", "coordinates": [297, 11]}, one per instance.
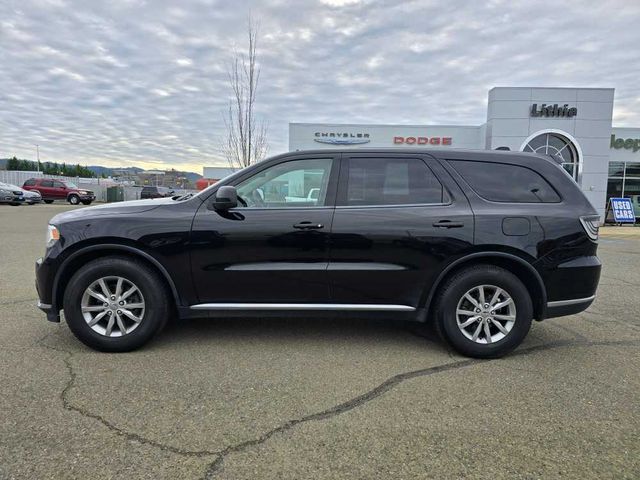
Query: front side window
{"type": "Point", "coordinates": [501, 182]}
{"type": "Point", "coordinates": [392, 181]}
{"type": "Point", "coordinates": [298, 183]}
{"type": "Point", "coordinates": [58, 185]}
{"type": "Point", "coordinates": [46, 183]}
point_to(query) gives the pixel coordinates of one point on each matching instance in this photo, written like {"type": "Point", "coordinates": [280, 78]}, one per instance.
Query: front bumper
{"type": "Point", "coordinates": [44, 288]}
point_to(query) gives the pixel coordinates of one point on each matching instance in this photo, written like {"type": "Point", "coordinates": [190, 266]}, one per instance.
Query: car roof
{"type": "Point", "coordinates": [443, 153]}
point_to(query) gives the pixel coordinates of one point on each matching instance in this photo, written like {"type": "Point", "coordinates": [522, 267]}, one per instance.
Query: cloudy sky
{"type": "Point", "coordinates": [135, 82]}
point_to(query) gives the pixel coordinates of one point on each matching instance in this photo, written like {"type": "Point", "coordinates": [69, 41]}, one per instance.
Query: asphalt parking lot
{"type": "Point", "coordinates": [294, 399]}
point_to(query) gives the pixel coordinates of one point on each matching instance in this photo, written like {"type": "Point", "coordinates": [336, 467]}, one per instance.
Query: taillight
{"type": "Point", "coordinates": [591, 224]}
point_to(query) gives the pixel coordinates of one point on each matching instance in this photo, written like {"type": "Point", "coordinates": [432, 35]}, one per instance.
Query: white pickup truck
{"type": "Point", "coordinates": [312, 197]}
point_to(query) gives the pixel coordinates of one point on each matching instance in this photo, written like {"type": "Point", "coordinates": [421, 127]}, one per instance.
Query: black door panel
{"type": "Point", "coordinates": [276, 248]}
{"type": "Point", "coordinates": [259, 256]}
{"type": "Point", "coordinates": [391, 253]}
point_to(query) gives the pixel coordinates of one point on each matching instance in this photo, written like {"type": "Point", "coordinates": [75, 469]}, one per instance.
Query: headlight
{"type": "Point", "coordinates": [82, 192]}
{"type": "Point", "coordinates": [53, 235]}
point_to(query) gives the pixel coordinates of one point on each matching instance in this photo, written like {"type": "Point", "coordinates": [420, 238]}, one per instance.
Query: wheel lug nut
{"type": "Point", "coordinates": [477, 310]}
{"type": "Point", "coordinates": [121, 303]}
{"type": "Point", "coordinates": [110, 313]}
{"type": "Point", "coordinates": [113, 297]}
{"type": "Point", "coordinates": [119, 312]}
{"type": "Point", "coordinates": [493, 313]}
{"type": "Point", "coordinates": [105, 304]}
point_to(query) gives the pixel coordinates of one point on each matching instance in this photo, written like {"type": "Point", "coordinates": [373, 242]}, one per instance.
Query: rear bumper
{"type": "Point", "coordinates": [571, 287]}
{"type": "Point", "coordinates": [560, 308]}
{"type": "Point", "coordinates": [12, 199]}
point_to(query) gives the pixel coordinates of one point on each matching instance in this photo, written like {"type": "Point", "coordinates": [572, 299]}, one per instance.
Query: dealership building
{"type": "Point", "coordinates": [574, 124]}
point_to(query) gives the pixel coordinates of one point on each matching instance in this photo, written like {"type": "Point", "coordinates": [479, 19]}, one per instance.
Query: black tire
{"type": "Point", "coordinates": [73, 199]}
{"type": "Point", "coordinates": [149, 282]}
{"type": "Point", "coordinates": [48, 201]}
{"type": "Point", "coordinates": [462, 282]}
{"type": "Point", "coordinates": [86, 202]}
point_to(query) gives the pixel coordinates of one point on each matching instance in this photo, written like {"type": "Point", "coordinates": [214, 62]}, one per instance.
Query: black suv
{"type": "Point", "coordinates": [479, 242]}
{"type": "Point", "coordinates": [155, 192]}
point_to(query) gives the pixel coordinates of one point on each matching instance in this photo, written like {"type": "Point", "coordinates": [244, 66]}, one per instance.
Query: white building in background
{"type": "Point", "coordinates": [574, 124]}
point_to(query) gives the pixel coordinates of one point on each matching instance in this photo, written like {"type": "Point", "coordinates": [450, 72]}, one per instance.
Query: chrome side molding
{"type": "Point", "coordinates": [362, 307]}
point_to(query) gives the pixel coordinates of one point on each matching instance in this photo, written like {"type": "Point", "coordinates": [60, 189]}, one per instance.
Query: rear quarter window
{"type": "Point", "coordinates": [30, 183]}
{"type": "Point", "coordinates": [501, 182]}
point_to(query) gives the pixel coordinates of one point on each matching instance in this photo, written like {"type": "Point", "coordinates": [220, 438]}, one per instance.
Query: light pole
{"type": "Point", "coordinates": [38, 157]}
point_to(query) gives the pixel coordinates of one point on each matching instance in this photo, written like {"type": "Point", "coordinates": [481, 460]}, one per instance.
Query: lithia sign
{"type": "Point", "coordinates": [554, 110]}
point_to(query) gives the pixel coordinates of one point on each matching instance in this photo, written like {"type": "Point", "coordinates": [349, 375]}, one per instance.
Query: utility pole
{"type": "Point", "coordinates": [38, 157]}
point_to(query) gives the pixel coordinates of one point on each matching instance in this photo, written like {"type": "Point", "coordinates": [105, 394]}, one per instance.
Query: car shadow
{"type": "Point", "coordinates": [289, 331]}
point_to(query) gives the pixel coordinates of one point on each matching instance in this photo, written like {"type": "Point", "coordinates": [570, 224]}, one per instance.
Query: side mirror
{"type": "Point", "coordinates": [225, 198]}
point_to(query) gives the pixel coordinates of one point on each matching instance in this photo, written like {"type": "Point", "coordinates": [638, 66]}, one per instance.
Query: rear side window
{"type": "Point", "coordinates": [392, 181]}
{"type": "Point", "coordinates": [46, 183]}
{"type": "Point", "coordinates": [500, 182]}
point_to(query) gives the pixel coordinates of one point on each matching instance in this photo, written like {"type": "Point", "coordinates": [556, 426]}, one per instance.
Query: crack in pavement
{"type": "Point", "coordinates": [216, 465]}
{"type": "Point", "coordinates": [132, 436]}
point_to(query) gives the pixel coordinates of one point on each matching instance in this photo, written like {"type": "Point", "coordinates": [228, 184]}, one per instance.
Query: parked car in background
{"type": "Point", "coordinates": [479, 243]}
{"type": "Point", "coordinates": [155, 192]}
{"type": "Point", "coordinates": [10, 194]}
{"type": "Point", "coordinates": [52, 189]}
{"type": "Point", "coordinates": [30, 198]}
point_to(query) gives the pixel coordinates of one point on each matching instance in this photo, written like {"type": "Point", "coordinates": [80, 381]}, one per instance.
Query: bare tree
{"type": "Point", "coordinates": [246, 137]}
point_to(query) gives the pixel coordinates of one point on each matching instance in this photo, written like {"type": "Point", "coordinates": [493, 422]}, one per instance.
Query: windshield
{"type": "Point", "coordinates": [70, 185]}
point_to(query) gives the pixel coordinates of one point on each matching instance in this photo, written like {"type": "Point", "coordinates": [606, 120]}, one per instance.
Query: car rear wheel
{"type": "Point", "coordinates": [116, 304]}
{"type": "Point", "coordinates": [74, 199]}
{"type": "Point", "coordinates": [484, 311]}
{"type": "Point", "coordinates": [48, 201]}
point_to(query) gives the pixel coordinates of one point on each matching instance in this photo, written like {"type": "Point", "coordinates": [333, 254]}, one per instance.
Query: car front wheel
{"type": "Point", "coordinates": [116, 304]}
{"type": "Point", "coordinates": [484, 311]}
{"type": "Point", "coordinates": [74, 199]}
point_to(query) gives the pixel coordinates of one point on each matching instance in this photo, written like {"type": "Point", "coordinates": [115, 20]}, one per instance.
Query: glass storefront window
{"type": "Point", "coordinates": [633, 169]}
{"type": "Point", "coordinates": [616, 169]}
{"type": "Point", "coordinates": [624, 181]}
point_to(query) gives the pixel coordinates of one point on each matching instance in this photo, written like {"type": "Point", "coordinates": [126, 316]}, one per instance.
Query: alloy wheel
{"type": "Point", "coordinates": [113, 306]}
{"type": "Point", "coordinates": [486, 314]}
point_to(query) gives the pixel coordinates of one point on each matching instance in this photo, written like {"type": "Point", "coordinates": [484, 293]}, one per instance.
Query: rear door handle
{"type": "Point", "coordinates": [448, 224]}
{"type": "Point", "coordinates": [308, 226]}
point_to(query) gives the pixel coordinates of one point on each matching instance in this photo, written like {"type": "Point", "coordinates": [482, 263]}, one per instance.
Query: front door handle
{"type": "Point", "coordinates": [448, 224]}
{"type": "Point", "coordinates": [308, 226]}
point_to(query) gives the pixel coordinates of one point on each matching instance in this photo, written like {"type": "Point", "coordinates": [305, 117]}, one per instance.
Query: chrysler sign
{"type": "Point", "coordinates": [338, 138]}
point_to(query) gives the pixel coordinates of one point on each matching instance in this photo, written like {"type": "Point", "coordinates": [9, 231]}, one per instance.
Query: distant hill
{"type": "Point", "coordinates": [107, 171]}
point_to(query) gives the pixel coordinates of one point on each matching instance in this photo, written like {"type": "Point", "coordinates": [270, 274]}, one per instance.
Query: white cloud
{"type": "Point", "coordinates": [146, 82]}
